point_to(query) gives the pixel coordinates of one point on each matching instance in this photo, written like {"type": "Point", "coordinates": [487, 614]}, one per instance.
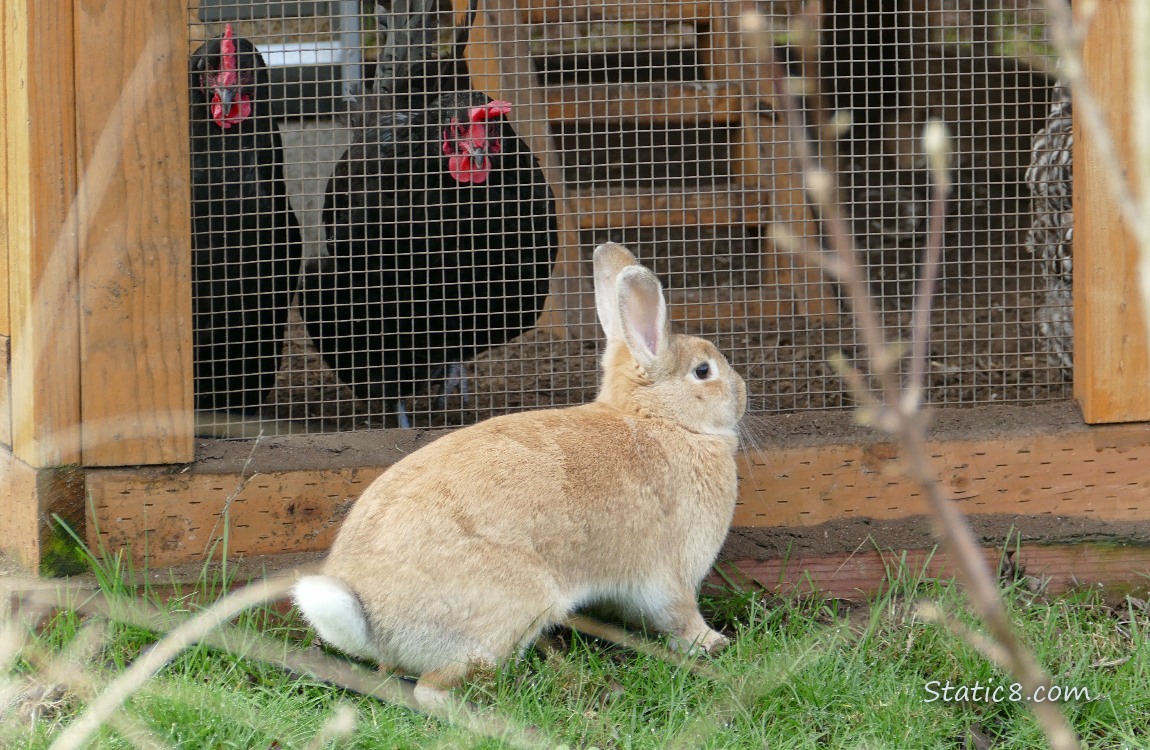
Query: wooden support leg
{"type": "Point", "coordinates": [30, 501]}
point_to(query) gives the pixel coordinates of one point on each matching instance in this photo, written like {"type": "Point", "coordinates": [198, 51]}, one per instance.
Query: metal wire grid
{"type": "Point", "coordinates": [657, 144]}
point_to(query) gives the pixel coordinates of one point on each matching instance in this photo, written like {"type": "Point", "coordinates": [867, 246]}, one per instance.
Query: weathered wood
{"type": "Point", "coordinates": [1093, 475]}
{"type": "Point", "coordinates": [615, 208]}
{"type": "Point", "coordinates": [644, 103]}
{"type": "Point", "coordinates": [30, 500]}
{"type": "Point", "coordinates": [550, 11]}
{"type": "Point", "coordinates": [482, 58]}
{"type": "Point", "coordinates": [177, 518]}
{"type": "Point", "coordinates": [40, 188]}
{"type": "Point", "coordinates": [728, 309]}
{"type": "Point", "coordinates": [135, 252]}
{"type": "Point", "coordinates": [765, 162]}
{"type": "Point", "coordinates": [5, 392]}
{"type": "Point", "coordinates": [5, 322]}
{"type": "Point", "coordinates": [1111, 350]}
{"type": "Point", "coordinates": [19, 510]}
{"type": "Point", "coordinates": [571, 294]}
{"type": "Point", "coordinates": [854, 575]}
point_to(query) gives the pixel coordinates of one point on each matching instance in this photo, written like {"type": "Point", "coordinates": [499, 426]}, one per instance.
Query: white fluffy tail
{"type": "Point", "coordinates": [333, 609]}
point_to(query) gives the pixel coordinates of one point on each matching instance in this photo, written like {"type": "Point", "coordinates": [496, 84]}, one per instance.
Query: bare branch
{"type": "Point", "coordinates": [899, 409]}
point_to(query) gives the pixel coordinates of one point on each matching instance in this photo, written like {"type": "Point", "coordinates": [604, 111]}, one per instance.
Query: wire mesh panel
{"type": "Point", "coordinates": [427, 263]}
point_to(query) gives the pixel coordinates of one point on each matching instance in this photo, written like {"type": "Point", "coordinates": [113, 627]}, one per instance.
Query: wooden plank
{"type": "Point", "coordinates": [727, 309]}
{"type": "Point", "coordinates": [135, 258]}
{"type": "Point", "coordinates": [552, 11]}
{"type": "Point", "coordinates": [39, 89]}
{"type": "Point", "coordinates": [30, 500]}
{"type": "Point", "coordinates": [1111, 360]}
{"type": "Point", "coordinates": [6, 392]}
{"type": "Point", "coordinates": [1089, 473]}
{"type": "Point", "coordinates": [19, 510]}
{"type": "Point", "coordinates": [645, 103]}
{"type": "Point", "coordinates": [179, 518]}
{"type": "Point", "coordinates": [615, 209]}
{"type": "Point", "coordinates": [5, 321]}
{"type": "Point", "coordinates": [1088, 478]}
{"type": "Point", "coordinates": [854, 575]}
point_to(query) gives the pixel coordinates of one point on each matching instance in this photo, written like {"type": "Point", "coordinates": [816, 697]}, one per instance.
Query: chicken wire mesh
{"type": "Point", "coordinates": [390, 233]}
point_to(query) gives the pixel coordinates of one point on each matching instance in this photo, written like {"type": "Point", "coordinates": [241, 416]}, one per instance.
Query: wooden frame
{"type": "Point", "coordinates": [95, 343]}
{"type": "Point", "coordinates": [825, 516]}
{"type": "Point", "coordinates": [98, 269]}
{"type": "Point", "coordinates": [1111, 356]}
{"type": "Point", "coordinates": [40, 184]}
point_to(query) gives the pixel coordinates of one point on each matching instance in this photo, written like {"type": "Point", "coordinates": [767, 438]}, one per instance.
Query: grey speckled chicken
{"type": "Point", "coordinates": [1052, 228]}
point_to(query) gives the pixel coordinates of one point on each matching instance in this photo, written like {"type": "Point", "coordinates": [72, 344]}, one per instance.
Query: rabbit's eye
{"type": "Point", "coordinates": [702, 371]}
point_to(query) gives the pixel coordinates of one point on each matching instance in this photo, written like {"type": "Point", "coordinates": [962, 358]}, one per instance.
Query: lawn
{"type": "Point", "coordinates": [800, 673]}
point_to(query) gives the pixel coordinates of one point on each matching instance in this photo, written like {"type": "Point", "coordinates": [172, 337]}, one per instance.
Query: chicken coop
{"type": "Point", "coordinates": [254, 252]}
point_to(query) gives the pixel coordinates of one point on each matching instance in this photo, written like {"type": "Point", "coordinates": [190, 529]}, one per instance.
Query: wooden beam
{"type": "Point", "coordinates": [40, 189]}
{"type": "Point", "coordinates": [135, 251]}
{"type": "Point", "coordinates": [1082, 472]}
{"type": "Point", "coordinates": [30, 501]}
{"type": "Point", "coordinates": [855, 575]}
{"type": "Point", "coordinates": [6, 392]}
{"type": "Point", "coordinates": [615, 208]}
{"type": "Point", "coordinates": [1111, 360]}
{"type": "Point", "coordinates": [19, 525]}
{"type": "Point", "coordinates": [644, 103]}
{"type": "Point", "coordinates": [289, 497]}
{"type": "Point", "coordinates": [5, 321]}
{"type": "Point", "coordinates": [582, 10]}
{"type": "Point", "coordinates": [764, 161]}
{"type": "Point", "coordinates": [171, 519]}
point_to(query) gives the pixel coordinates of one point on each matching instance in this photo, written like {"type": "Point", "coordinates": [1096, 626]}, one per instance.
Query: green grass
{"type": "Point", "coordinates": [799, 674]}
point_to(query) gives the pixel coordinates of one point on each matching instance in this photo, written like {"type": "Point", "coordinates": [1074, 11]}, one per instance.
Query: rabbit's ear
{"type": "Point", "coordinates": [643, 316]}
{"type": "Point", "coordinates": [609, 260]}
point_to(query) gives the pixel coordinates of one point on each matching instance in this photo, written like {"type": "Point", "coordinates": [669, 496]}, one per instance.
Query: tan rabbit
{"type": "Point", "coordinates": [461, 554]}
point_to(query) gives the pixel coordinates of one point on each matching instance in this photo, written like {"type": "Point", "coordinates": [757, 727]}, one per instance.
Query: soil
{"type": "Point", "coordinates": [295, 452]}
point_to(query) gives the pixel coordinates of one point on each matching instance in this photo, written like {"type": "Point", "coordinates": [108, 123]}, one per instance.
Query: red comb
{"type": "Point", "coordinates": [228, 48]}
{"type": "Point", "coordinates": [493, 109]}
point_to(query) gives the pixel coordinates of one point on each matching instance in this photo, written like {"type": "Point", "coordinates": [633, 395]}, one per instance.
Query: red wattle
{"type": "Point", "coordinates": [240, 110]}
{"type": "Point", "coordinates": [462, 168]}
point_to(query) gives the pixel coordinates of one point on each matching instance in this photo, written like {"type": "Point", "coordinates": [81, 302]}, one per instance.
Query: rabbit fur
{"type": "Point", "coordinates": [462, 553]}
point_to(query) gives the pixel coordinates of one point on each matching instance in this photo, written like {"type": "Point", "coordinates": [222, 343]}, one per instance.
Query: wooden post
{"type": "Point", "coordinates": [134, 233]}
{"type": "Point", "coordinates": [1111, 364]}
{"type": "Point", "coordinates": [39, 191]}
{"type": "Point", "coordinates": [5, 389]}
{"type": "Point", "coordinates": [5, 324]}
{"type": "Point", "coordinates": [30, 501]}
{"type": "Point", "coordinates": [97, 252]}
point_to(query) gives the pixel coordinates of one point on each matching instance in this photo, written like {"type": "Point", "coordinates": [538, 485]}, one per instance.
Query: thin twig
{"type": "Point", "coordinates": [245, 479]}
{"type": "Point", "coordinates": [899, 410]}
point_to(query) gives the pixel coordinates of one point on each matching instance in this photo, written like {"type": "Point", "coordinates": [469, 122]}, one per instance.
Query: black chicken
{"type": "Point", "coordinates": [246, 241]}
{"type": "Point", "coordinates": [441, 231]}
